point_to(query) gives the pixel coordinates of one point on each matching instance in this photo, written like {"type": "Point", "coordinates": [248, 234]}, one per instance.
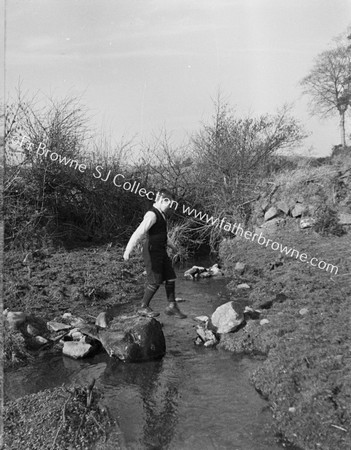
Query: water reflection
{"type": "Point", "coordinates": [157, 393]}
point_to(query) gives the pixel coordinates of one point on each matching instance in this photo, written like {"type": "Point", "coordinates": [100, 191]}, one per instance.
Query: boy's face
{"type": "Point", "coordinates": [163, 203]}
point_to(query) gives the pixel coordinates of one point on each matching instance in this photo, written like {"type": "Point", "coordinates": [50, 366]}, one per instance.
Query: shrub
{"type": "Point", "coordinates": [327, 222]}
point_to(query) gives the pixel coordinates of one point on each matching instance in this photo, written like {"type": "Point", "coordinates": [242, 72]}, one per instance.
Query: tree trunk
{"type": "Point", "coordinates": [342, 129]}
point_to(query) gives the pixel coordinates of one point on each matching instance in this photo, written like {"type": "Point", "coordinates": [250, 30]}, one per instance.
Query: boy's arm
{"type": "Point", "coordinates": [143, 228]}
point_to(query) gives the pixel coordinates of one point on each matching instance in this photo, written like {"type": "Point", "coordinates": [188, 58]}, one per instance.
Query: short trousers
{"type": "Point", "coordinates": [158, 265]}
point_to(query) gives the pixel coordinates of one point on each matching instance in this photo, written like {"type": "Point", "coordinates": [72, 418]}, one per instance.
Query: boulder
{"type": "Point", "coordinates": [283, 206]}
{"type": "Point", "coordinates": [271, 213]}
{"type": "Point", "coordinates": [225, 319]}
{"type": "Point", "coordinates": [15, 319]}
{"type": "Point", "coordinates": [303, 311]}
{"type": "Point", "coordinates": [133, 338]}
{"type": "Point", "coordinates": [298, 210]}
{"type": "Point", "coordinates": [76, 350]}
{"type": "Point", "coordinates": [215, 270]}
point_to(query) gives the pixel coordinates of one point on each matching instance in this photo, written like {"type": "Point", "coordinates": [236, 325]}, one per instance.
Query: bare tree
{"type": "Point", "coordinates": [329, 83]}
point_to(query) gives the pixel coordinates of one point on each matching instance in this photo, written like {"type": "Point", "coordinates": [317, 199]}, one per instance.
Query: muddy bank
{"type": "Point", "coordinates": [305, 337]}
{"type": "Point", "coordinates": [46, 284]}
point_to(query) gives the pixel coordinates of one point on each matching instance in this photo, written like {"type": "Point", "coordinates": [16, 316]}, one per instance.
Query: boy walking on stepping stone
{"type": "Point", "coordinates": [158, 264]}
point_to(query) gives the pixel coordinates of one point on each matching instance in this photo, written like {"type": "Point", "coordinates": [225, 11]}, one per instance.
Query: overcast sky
{"type": "Point", "coordinates": [144, 65]}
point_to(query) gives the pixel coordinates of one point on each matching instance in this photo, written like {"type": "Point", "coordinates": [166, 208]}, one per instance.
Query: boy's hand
{"type": "Point", "coordinates": [126, 255]}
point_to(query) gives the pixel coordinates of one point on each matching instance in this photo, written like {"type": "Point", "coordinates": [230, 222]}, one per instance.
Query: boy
{"type": "Point", "coordinates": [158, 264]}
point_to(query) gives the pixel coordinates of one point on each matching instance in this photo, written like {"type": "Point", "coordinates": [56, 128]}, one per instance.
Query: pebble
{"type": "Point", "coordinates": [264, 321]}
{"type": "Point", "coordinates": [41, 340]}
{"type": "Point", "coordinates": [101, 320]}
{"type": "Point", "coordinates": [202, 318]}
{"type": "Point", "coordinates": [66, 316]}
{"type": "Point", "coordinates": [57, 326]}
{"type": "Point", "coordinates": [32, 330]}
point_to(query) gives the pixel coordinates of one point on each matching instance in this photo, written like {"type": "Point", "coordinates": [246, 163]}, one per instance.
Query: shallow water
{"type": "Point", "coordinates": [194, 398]}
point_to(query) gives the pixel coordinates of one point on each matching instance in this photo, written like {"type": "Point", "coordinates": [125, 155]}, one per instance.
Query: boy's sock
{"type": "Point", "coordinates": [150, 291]}
{"type": "Point", "coordinates": [170, 291]}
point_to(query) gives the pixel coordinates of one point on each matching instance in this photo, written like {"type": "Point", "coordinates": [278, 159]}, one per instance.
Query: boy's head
{"type": "Point", "coordinates": [164, 199]}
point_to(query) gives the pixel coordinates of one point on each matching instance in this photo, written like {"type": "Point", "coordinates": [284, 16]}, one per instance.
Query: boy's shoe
{"type": "Point", "coordinates": [173, 310]}
{"type": "Point", "coordinates": [147, 311]}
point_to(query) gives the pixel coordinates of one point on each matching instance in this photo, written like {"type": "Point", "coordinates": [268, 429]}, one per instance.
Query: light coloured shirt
{"type": "Point", "coordinates": [148, 221]}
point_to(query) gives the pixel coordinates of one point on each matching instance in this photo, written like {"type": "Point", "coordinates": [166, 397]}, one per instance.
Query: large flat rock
{"type": "Point", "coordinates": [133, 338]}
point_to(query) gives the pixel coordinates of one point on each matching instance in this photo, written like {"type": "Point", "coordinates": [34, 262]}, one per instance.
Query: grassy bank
{"type": "Point", "coordinates": [58, 418]}
{"type": "Point", "coordinates": [306, 375]}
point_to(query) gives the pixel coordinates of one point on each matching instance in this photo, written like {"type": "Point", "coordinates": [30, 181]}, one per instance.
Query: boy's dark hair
{"type": "Point", "coordinates": [164, 192]}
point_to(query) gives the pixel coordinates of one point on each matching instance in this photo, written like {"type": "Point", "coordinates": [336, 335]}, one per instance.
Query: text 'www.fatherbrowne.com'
{"type": "Point", "coordinates": [118, 180]}
{"type": "Point", "coordinates": [236, 229]}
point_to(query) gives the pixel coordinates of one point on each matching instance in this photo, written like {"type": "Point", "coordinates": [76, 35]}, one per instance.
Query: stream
{"type": "Point", "coordinates": [194, 398]}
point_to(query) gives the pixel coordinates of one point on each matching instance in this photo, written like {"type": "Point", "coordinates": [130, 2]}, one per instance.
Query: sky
{"type": "Point", "coordinates": [143, 66]}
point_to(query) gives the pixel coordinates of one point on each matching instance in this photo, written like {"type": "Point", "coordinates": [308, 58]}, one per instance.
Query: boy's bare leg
{"type": "Point", "coordinates": [172, 308]}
